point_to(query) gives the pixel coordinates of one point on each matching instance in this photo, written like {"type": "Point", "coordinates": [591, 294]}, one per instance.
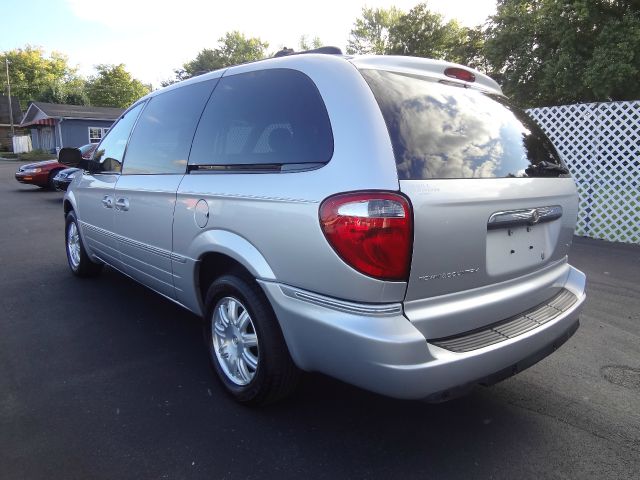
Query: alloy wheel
{"type": "Point", "coordinates": [234, 341]}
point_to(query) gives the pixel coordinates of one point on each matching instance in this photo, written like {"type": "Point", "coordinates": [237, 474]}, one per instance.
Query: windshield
{"type": "Point", "coordinates": [443, 130]}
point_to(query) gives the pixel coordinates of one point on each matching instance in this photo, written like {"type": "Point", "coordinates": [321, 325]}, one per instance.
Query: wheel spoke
{"type": "Point", "coordinates": [232, 311]}
{"type": "Point", "coordinates": [249, 359]}
{"type": "Point", "coordinates": [222, 351]}
{"type": "Point", "coordinates": [219, 329]}
{"type": "Point", "coordinates": [223, 315]}
{"type": "Point", "coordinates": [243, 371]}
{"type": "Point", "coordinates": [250, 340]}
{"type": "Point", "coordinates": [243, 320]}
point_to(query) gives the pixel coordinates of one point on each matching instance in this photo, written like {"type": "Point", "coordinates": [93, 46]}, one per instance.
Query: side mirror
{"type": "Point", "coordinates": [70, 157]}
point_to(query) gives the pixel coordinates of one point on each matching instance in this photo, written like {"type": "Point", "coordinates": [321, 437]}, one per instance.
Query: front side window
{"type": "Point", "coordinates": [108, 156]}
{"type": "Point", "coordinates": [266, 118]}
{"type": "Point", "coordinates": [442, 130]}
{"type": "Point", "coordinates": [162, 137]}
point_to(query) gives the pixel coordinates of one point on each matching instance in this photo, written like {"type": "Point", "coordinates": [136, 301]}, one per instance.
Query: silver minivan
{"type": "Point", "coordinates": [393, 222]}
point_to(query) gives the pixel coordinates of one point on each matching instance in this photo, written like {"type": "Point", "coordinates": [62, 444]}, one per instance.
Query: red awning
{"type": "Point", "coordinates": [44, 121]}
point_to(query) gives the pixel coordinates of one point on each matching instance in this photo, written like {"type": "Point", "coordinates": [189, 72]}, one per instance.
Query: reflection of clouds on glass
{"type": "Point", "coordinates": [152, 119]}
{"type": "Point", "coordinates": [444, 131]}
{"type": "Point", "coordinates": [462, 131]}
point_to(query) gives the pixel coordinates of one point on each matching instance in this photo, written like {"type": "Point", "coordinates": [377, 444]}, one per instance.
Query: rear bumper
{"type": "Point", "coordinates": [377, 348]}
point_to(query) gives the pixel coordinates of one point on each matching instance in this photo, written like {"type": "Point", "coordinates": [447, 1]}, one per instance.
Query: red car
{"type": "Point", "coordinates": [42, 173]}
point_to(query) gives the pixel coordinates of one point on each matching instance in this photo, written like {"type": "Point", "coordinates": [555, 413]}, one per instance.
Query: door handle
{"type": "Point", "coordinates": [107, 201]}
{"type": "Point", "coordinates": [122, 204]}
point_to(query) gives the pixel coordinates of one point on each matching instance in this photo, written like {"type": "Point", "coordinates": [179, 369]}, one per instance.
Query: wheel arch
{"type": "Point", "coordinates": [218, 252]}
{"type": "Point", "coordinates": [69, 203]}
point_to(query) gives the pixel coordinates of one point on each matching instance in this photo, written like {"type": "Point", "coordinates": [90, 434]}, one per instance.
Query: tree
{"type": "Point", "coordinates": [370, 34]}
{"type": "Point", "coordinates": [423, 33]}
{"type": "Point", "coordinates": [306, 44]}
{"type": "Point", "coordinates": [615, 61]}
{"type": "Point", "coordinates": [233, 48]}
{"type": "Point", "coordinates": [72, 92]}
{"type": "Point", "coordinates": [113, 86]}
{"type": "Point", "coordinates": [36, 77]}
{"type": "Point", "coordinates": [469, 49]}
{"type": "Point", "coordinates": [418, 32]}
{"type": "Point", "coordinates": [550, 52]}
{"type": "Point", "coordinates": [206, 61]}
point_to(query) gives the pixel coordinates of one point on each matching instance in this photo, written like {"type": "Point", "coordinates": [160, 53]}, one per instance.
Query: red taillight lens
{"type": "Point", "coordinates": [460, 74]}
{"type": "Point", "coordinates": [372, 232]}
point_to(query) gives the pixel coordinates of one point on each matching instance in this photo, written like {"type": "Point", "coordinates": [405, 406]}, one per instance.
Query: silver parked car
{"type": "Point", "coordinates": [393, 222]}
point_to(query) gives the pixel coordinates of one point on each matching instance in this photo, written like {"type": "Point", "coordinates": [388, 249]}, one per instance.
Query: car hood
{"type": "Point", "coordinates": [39, 164]}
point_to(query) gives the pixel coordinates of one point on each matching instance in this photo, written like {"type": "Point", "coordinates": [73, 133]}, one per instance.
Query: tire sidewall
{"type": "Point", "coordinates": [50, 183]}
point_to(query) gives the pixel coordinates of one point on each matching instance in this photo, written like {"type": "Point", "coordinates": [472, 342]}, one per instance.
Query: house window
{"type": "Point", "coordinates": [96, 134]}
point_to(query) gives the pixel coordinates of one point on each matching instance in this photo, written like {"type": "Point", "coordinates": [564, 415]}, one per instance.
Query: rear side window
{"type": "Point", "coordinates": [161, 139]}
{"type": "Point", "coordinates": [440, 130]}
{"type": "Point", "coordinates": [269, 118]}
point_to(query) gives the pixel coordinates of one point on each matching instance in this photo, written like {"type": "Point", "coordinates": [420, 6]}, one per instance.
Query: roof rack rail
{"type": "Point", "coordinates": [324, 50]}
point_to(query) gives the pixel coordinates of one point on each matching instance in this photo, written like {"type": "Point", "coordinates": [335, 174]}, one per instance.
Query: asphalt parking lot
{"type": "Point", "coordinates": [102, 378]}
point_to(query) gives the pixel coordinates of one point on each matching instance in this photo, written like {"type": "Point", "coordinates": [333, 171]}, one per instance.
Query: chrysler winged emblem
{"type": "Point", "coordinates": [535, 217]}
{"type": "Point", "coordinates": [524, 216]}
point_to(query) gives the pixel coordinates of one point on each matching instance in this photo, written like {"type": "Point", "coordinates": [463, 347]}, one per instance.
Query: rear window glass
{"type": "Point", "coordinates": [269, 117]}
{"type": "Point", "coordinates": [440, 130]}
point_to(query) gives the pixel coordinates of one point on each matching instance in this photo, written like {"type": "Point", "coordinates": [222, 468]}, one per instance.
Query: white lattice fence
{"type": "Point", "coordinates": [600, 142]}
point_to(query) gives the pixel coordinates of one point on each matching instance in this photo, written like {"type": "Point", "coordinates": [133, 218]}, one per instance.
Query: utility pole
{"type": "Point", "coordinates": [6, 61]}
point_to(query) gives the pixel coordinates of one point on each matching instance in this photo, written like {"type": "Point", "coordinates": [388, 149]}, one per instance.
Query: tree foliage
{"type": "Point", "coordinates": [36, 77]}
{"type": "Point", "coordinates": [423, 33]}
{"type": "Point", "coordinates": [549, 52]}
{"type": "Point", "coordinates": [371, 33]}
{"type": "Point", "coordinates": [113, 86]}
{"type": "Point", "coordinates": [543, 52]}
{"type": "Point", "coordinates": [233, 48]}
{"type": "Point", "coordinates": [419, 32]}
{"type": "Point", "coordinates": [309, 44]}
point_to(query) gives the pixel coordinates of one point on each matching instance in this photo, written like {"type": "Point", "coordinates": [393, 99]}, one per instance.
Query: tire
{"type": "Point", "coordinates": [50, 184]}
{"type": "Point", "coordinates": [275, 376]}
{"type": "Point", "coordinates": [77, 258]}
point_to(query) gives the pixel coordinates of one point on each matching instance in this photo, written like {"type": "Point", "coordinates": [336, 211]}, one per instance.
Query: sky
{"type": "Point", "coordinates": [154, 37]}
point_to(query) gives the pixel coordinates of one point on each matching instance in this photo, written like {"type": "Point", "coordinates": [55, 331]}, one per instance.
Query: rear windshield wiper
{"type": "Point", "coordinates": [254, 167]}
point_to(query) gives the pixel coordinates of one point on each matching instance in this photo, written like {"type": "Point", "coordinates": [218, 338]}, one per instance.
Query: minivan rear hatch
{"type": "Point", "coordinates": [491, 198]}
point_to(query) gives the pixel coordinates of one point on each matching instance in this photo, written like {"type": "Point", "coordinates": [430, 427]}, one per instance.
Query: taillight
{"type": "Point", "coordinates": [460, 74]}
{"type": "Point", "coordinates": [370, 231]}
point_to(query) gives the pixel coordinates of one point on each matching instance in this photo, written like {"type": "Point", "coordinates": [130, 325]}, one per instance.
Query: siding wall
{"type": "Point", "coordinates": [75, 133]}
